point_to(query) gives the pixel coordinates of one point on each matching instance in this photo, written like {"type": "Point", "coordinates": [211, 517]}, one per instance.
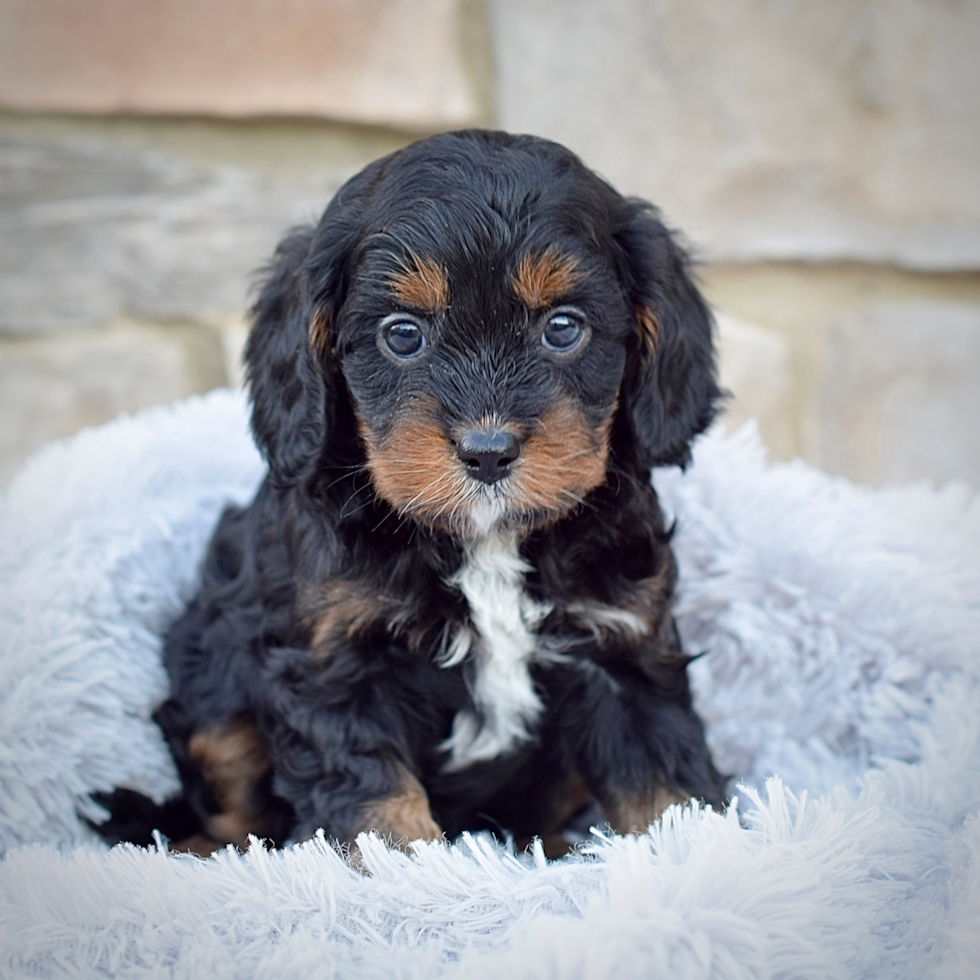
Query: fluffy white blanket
{"type": "Point", "coordinates": [841, 684]}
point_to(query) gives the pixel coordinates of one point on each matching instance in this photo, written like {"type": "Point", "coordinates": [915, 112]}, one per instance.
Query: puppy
{"type": "Point", "coordinates": [448, 606]}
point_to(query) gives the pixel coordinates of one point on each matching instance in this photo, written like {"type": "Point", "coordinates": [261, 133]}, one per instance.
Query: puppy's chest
{"type": "Point", "coordinates": [507, 633]}
{"type": "Point", "coordinates": [500, 642]}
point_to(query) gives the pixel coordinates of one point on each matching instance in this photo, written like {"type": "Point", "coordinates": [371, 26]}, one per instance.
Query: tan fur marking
{"type": "Point", "coordinates": [555, 846]}
{"type": "Point", "coordinates": [541, 279]}
{"type": "Point", "coordinates": [404, 815]}
{"type": "Point", "coordinates": [199, 844]}
{"type": "Point", "coordinates": [346, 609]}
{"type": "Point", "coordinates": [649, 326]}
{"type": "Point", "coordinates": [639, 617]}
{"type": "Point", "coordinates": [567, 798]}
{"type": "Point", "coordinates": [342, 610]}
{"type": "Point", "coordinates": [632, 815]}
{"type": "Point", "coordinates": [650, 597]}
{"type": "Point", "coordinates": [562, 461]}
{"type": "Point", "coordinates": [232, 758]}
{"type": "Point", "coordinates": [415, 468]}
{"type": "Point", "coordinates": [320, 331]}
{"type": "Point", "coordinates": [423, 285]}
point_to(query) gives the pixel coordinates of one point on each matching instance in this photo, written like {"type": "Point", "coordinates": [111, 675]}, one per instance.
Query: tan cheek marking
{"type": "Point", "coordinates": [541, 279]}
{"type": "Point", "coordinates": [232, 759]}
{"type": "Point", "coordinates": [422, 285]}
{"type": "Point", "coordinates": [415, 469]}
{"type": "Point", "coordinates": [633, 814]}
{"type": "Point", "coordinates": [649, 326]}
{"type": "Point", "coordinates": [402, 816]}
{"type": "Point", "coordinates": [562, 461]}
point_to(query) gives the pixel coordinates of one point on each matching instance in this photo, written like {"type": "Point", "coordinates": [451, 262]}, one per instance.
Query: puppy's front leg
{"type": "Point", "coordinates": [640, 747]}
{"type": "Point", "coordinates": [346, 793]}
{"type": "Point", "coordinates": [343, 763]}
{"type": "Point", "coordinates": [403, 815]}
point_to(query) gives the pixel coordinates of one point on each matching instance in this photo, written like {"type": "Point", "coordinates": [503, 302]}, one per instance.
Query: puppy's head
{"type": "Point", "coordinates": [488, 326]}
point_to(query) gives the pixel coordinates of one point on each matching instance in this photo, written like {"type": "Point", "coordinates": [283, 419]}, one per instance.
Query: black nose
{"type": "Point", "coordinates": [488, 453]}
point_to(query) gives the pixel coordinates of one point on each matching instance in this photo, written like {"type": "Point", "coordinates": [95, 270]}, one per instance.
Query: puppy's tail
{"type": "Point", "coordinates": [133, 818]}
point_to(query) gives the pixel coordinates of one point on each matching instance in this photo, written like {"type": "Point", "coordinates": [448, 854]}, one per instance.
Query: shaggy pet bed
{"type": "Point", "coordinates": [840, 683]}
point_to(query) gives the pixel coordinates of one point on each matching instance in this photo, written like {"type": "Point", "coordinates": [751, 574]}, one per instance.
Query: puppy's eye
{"type": "Point", "coordinates": [404, 338]}
{"type": "Point", "coordinates": [563, 332]}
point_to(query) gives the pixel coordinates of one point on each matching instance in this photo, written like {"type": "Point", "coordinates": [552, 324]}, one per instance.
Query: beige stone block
{"type": "Point", "coordinates": [754, 369]}
{"type": "Point", "coordinates": [900, 399]}
{"type": "Point", "coordinates": [91, 231]}
{"type": "Point", "coordinates": [883, 363]}
{"type": "Point", "coordinates": [284, 151]}
{"type": "Point", "coordinates": [54, 387]}
{"type": "Point", "coordinates": [838, 129]}
{"type": "Point", "coordinates": [401, 62]}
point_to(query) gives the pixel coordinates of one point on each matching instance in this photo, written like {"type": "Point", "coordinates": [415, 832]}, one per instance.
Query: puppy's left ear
{"type": "Point", "coordinates": [669, 393]}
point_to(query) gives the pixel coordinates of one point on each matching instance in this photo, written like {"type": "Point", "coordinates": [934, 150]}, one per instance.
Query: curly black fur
{"type": "Point", "coordinates": [324, 608]}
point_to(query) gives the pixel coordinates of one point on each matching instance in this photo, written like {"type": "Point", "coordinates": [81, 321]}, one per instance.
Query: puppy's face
{"type": "Point", "coordinates": [494, 314]}
{"type": "Point", "coordinates": [484, 355]}
{"type": "Point", "coordinates": [484, 380]}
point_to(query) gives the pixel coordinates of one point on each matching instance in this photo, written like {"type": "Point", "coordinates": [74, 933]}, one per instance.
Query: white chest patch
{"type": "Point", "coordinates": [504, 618]}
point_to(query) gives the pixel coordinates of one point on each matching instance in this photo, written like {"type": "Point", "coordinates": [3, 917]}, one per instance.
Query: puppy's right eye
{"type": "Point", "coordinates": [404, 339]}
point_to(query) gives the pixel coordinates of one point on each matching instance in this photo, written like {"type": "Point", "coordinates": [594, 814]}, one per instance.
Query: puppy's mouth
{"type": "Point", "coordinates": [487, 477]}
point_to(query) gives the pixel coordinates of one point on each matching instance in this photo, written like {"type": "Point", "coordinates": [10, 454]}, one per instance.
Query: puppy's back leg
{"type": "Point", "coordinates": [232, 761]}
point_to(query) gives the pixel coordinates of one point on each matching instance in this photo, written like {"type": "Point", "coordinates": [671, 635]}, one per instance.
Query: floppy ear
{"type": "Point", "coordinates": [298, 394]}
{"type": "Point", "coordinates": [287, 390]}
{"type": "Point", "coordinates": [669, 391]}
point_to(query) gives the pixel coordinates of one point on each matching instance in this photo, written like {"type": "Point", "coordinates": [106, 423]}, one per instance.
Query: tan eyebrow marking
{"type": "Point", "coordinates": [543, 278]}
{"type": "Point", "coordinates": [422, 286]}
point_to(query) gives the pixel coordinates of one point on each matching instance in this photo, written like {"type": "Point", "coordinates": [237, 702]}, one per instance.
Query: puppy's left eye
{"type": "Point", "coordinates": [404, 339]}
{"type": "Point", "coordinates": [563, 332]}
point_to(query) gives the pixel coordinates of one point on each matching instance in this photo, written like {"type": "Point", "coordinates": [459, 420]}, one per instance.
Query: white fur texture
{"type": "Point", "coordinates": [841, 683]}
{"type": "Point", "coordinates": [505, 617]}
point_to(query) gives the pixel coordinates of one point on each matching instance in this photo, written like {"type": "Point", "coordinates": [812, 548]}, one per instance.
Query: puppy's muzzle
{"type": "Point", "coordinates": [488, 454]}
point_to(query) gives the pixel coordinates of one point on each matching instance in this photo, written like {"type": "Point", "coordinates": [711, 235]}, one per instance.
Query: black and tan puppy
{"type": "Point", "coordinates": [448, 606]}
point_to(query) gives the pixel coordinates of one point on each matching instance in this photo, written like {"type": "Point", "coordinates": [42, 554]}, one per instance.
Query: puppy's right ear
{"type": "Point", "coordinates": [298, 393]}
{"type": "Point", "coordinates": [287, 388]}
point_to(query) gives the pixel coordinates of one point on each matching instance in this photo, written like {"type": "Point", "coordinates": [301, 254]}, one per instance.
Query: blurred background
{"type": "Point", "coordinates": [822, 158]}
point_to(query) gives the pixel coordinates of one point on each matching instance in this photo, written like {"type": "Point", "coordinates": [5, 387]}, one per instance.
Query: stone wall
{"type": "Point", "coordinates": [127, 247]}
{"type": "Point", "coordinates": [822, 159]}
